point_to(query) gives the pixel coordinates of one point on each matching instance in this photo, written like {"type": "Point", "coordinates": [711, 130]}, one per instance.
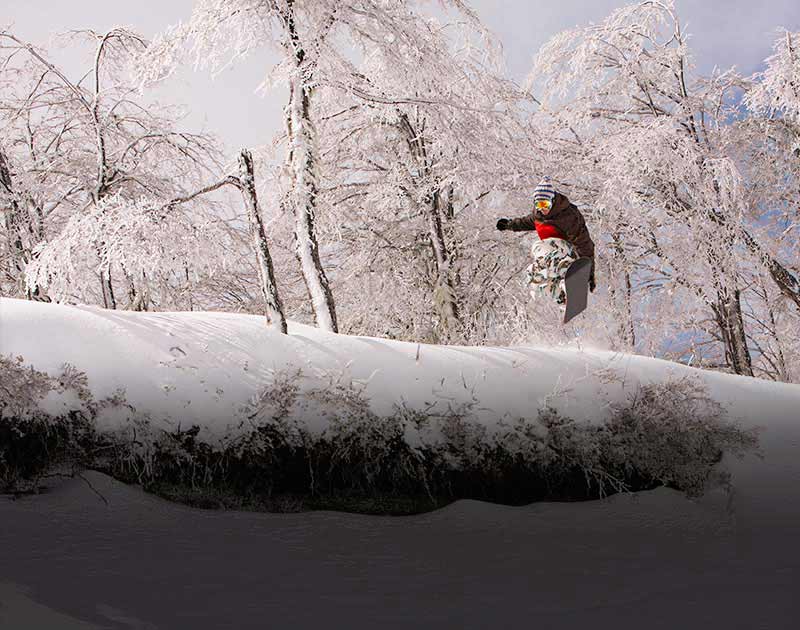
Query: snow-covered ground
{"type": "Point", "coordinates": [644, 560]}
{"type": "Point", "coordinates": [653, 560]}
{"type": "Point", "coordinates": [202, 367]}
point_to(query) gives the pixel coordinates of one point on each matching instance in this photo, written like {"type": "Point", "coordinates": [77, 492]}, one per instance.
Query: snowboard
{"type": "Point", "coordinates": [576, 284]}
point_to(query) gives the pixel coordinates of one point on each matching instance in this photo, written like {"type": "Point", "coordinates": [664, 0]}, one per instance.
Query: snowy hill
{"type": "Point", "coordinates": [201, 367]}
{"type": "Point", "coordinates": [653, 559]}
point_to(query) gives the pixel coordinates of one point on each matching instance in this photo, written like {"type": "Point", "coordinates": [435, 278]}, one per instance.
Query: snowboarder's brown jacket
{"type": "Point", "coordinates": [566, 218]}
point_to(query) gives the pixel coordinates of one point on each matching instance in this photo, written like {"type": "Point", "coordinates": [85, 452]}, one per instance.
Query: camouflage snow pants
{"type": "Point", "coordinates": [551, 259]}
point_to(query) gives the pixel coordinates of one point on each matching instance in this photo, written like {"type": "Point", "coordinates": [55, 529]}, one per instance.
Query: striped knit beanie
{"type": "Point", "coordinates": [544, 190]}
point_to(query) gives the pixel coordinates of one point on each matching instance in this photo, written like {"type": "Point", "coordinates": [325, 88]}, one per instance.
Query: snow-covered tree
{"type": "Point", "coordinates": [777, 89]}
{"type": "Point", "coordinates": [245, 182]}
{"type": "Point", "coordinates": [767, 145]}
{"type": "Point", "coordinates": [643, 143]}
{"type": "Point", "coordinates": [409, 148]}
{"type": "Point", "coordinates": [69, 145]}
{"type": "Point", "coordinates": [313, 40]}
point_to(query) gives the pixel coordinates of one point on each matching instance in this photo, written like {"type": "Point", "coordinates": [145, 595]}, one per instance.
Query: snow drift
{"type": "Point", "coordinates": [200, 368]}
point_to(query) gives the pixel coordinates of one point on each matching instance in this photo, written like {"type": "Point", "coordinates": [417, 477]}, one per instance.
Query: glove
{"type": "Point", "coordinates": [592, 284]}
{"type": "Point", "coordinates": [502, 224]}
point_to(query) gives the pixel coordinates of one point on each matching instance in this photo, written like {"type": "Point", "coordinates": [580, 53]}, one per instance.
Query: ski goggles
{"type": "Point", "coordinates": [543, 204]}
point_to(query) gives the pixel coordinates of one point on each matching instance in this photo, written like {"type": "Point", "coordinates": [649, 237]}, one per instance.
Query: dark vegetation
{"type": "Point", "coordinates": [669, 434]}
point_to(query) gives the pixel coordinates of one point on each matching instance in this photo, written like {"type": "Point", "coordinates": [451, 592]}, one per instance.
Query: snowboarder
{"type": "Point", "coordinates": [563, 237]}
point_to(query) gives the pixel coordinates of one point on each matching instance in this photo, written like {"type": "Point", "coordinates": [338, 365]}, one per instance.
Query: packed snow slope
{"type": "Point", "coordinates": [198, 367]}
{"type": "Point", "coordinates": [651, 560]}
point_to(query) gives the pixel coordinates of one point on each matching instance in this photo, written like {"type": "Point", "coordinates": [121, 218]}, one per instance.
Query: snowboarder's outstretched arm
{"type": "Point", "coordinates": [520, 224]}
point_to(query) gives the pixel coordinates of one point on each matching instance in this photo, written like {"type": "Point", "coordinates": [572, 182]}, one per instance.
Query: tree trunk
{"type": "Point", "coordinates": [12, 216]}
{"type": "Point", "coordinates": [627, 330]}
{"type": "Point", "coordinates": [438, 204]}
{"type": "Point", "coordinates": [273, 308]}
{"type": "Point", "coordinates": [15, 247]}
{"type": "Point", "coordinates": [107, 288]}
{"type": "Point", "coordinates": [133, 297]}
{"type": "Point", "coordinates": [727, 309]}
{"type": "Point", "coordinates": [445, 291]}
{"type": "Point", "coordinates": [138, 299]}
{"type": "Point", "coordinates": [303, 161]}
{"type": "Point", "coordinates": [106, 285]}
{"type": "Point", "coordinates": [630, 329]}
{"type": "Point", "coordinates": [728, 314]}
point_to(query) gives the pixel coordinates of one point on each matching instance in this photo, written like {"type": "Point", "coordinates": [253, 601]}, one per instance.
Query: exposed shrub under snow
{"type": "Point", "coordinates": [45, 422]}
{"type": "Point", "coordinates": [666, 434]}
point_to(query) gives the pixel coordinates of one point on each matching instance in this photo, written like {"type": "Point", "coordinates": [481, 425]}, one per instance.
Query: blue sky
{"type": "Point", "coordinates": [724, 33]}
